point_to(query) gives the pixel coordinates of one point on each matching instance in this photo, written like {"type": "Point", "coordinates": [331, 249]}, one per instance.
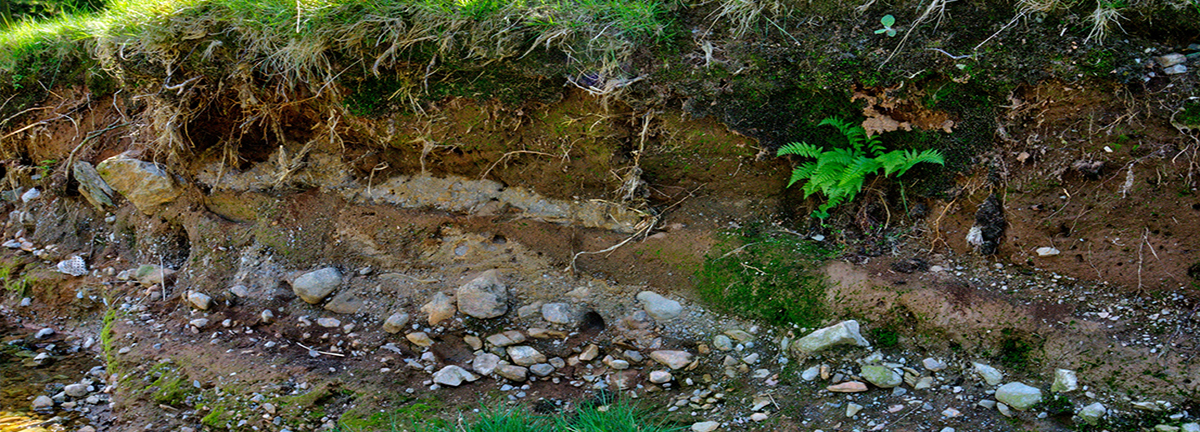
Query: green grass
{"type": "Point", "coordinates": [772, 276]}
{"type": "Point", "coordinates": [612, 416]}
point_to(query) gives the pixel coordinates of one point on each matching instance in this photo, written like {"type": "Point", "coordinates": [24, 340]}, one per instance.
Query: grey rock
{"type": "Point", "coordinates": [1065, 381]}
{"type": "Point", "coordinates": [557, 313]}
{"type": "Point", "coordinates": [92, 187]}
{"type": "Point", "coordinates": [529, 310]}
{"type": "Point", "coordinates": [314, 286]}
{"type": "Point", "coordinates": [440, 308]}
{"type": "Point", "coordinates": [396, 322]}
{"type": "Point", "coordinates": [989, 374]}
{"type": "Point", "coordinates": [660, 377]}
{"type": "Point", "coordinates": [240, 291]}
{"type": "Point", "coordinates": [512, 373]}
{"type": "Point", "coordinates": [199, 300]}
{"type": "Point", "coordinates": [150, 274]}
{"type": "Point", "coordinates": [199, 323]}
{"type": "Point", "coordinates": [739, 335]}
{"type": "Point", "coordinates": [145, 184]}
{"type": "Point", "coordinates": [933, 365]}
{"type": "Point", "coordinates": [485, 364]}
{"type": "Point", "coordinates": [843, 333]}
{"type": "Point", "coordinates": [811, 373]}
{"type": "Point", "coordinates": [672, 359]}
{"type": "Point", "coordinates": [329, 322]}
{"type": "Point", "coordinates": [77, 391]}
{"type": "Point", "coordinates": [453, 376]}
{"type": "Point", "coordinates": [345, 303]}
{"type": "Point", "coordinates": [722, 343]}
{"type": "Point", "coordinates": [1018, 395]}
{"type": "Point", "coordinates": [266, 316]}
{"type": "Point", "coordinates": [881, 376]}
{"type": "Point", "coordinates": [484, 297]}
{"type": "Point", "coordinates": [542, 369]}
{"type": "Point", "coordinates": [44, 333]}
{"type": "Point", "coordinates": [616, 363]}
{"type": "Point", "coordinates": [42, 402]}
{"type": "Point", "coordinates": [658, 307]}
{"type": "Point", "coordinates": [1093, 413]}
{"type": "Point", "coordinates": [1175, 70]}
{"type": "Point", "coordinates": [1171, 59]}
{"type": "Point", "coordinates": [1189, 427]}
{"type": "Point", "coordinates": [525, 355]}
{"type": "Point", "coordinates": [706, 426]}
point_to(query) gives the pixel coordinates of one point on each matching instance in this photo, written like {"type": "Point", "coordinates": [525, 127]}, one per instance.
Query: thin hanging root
{"type": "Point", "coordinates": [646, 230]}
{"type": "Point", "coordinates": [505, 156]}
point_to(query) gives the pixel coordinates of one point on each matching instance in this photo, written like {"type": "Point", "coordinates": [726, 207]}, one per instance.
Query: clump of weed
{"type": "Point", "coordinates": [767, 275]}
{"type": "Point", "coordinates": [1016, 351]}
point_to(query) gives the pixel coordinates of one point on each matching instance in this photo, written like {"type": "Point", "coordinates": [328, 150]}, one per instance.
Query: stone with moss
{"type": "Point", "coordinates": [881, 376]}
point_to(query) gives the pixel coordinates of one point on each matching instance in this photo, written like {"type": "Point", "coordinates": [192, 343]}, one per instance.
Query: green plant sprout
{"type": "Point", "coordinates": [888, 21]}
{"type": "Point", "coordinates": [839, 173]}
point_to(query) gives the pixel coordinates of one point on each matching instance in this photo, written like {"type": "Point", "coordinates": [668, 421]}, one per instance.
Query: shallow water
{"type": "Point", "coordinates": [22, 378]}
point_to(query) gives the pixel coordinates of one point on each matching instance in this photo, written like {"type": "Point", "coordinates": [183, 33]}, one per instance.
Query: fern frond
{"type": "Point", "coordinates": [802, 172]}
{"type": "Point", "coordinates": [802, 149]}
{"type": "Point", "coordinates": [858, 170]}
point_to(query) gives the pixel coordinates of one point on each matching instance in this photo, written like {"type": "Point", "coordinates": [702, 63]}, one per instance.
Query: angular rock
{"type": "Point", "coordinates": [44, 333]}
{"type": "Point", "coordinates": [525, 355]}
{"type": "Point", "coordinates": [1093, 413]}
{"type": "Point", "coordinates": [486, 363]}
{"type": "Point", "coordinates": [843, 333]}
{"type": "Point", "coordinates": [1018, 395]}
{"type": "Point", "coordinates": [511, 337]}
{"type": "Point", "coordinates": [396, 322]}
{"type": "Point", "coordinates": [474, 342]}
{"type": "Point", "coordinates": [1171, 59]}
{"type": "Point", "coordinates": [512, 373]}
{"type": "Point", "coordinates": [557, 313]}
{"type": "Point", "coordinates": [1065, 381]}
{"type": "Point", "coordinates": [199, 323]}
{"type": "Point", "coordinates": [314, 286]}
{"type": "Point", "coordinates": [881, 376]}
{"type": "Point", "coordinates": [439, 308]}
{"type": "Point", "coordinates": [672, 359]}
{"type": "Point", "coordinates": [658, 307]}
{"type": "Point", "coordinates": [852, 409]}
{"type": "Point", "coordinates": [933, 365]}
{"type": "Point", "coordinates": [92, 187]}
{"type": "Point", "coordinates": [453, 376]}
{"type": "Point", "coordinates": [240, 291]}
{"type": "Point", "coordinates": [345, 303]}
{"type": "Point", "coordinates": [541, 333]}
{"type": "Point", "coordinates": [199, 300]}
{"type": "Point", "coordinates": [589, 353]}
{"type": "Point", "coordinates": [848, 387]}
{"type": "Point", "coordinates": [421, 339]}
{"type": "Point", "coordinates": [484, 297]}
{"type": "Point", "coordinates": [542, 369]}
{"type": "Point", "coordinates": [145, 184]}
{"type": "Point", "coordinates": [990, 375]}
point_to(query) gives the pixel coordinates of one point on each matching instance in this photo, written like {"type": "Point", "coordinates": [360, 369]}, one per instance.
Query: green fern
{"type": "Point", "coordinates": [839, 173]}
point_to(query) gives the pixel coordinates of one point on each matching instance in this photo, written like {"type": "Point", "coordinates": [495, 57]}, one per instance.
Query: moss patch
{"type": "Point", "coordinates": [766, 275]}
